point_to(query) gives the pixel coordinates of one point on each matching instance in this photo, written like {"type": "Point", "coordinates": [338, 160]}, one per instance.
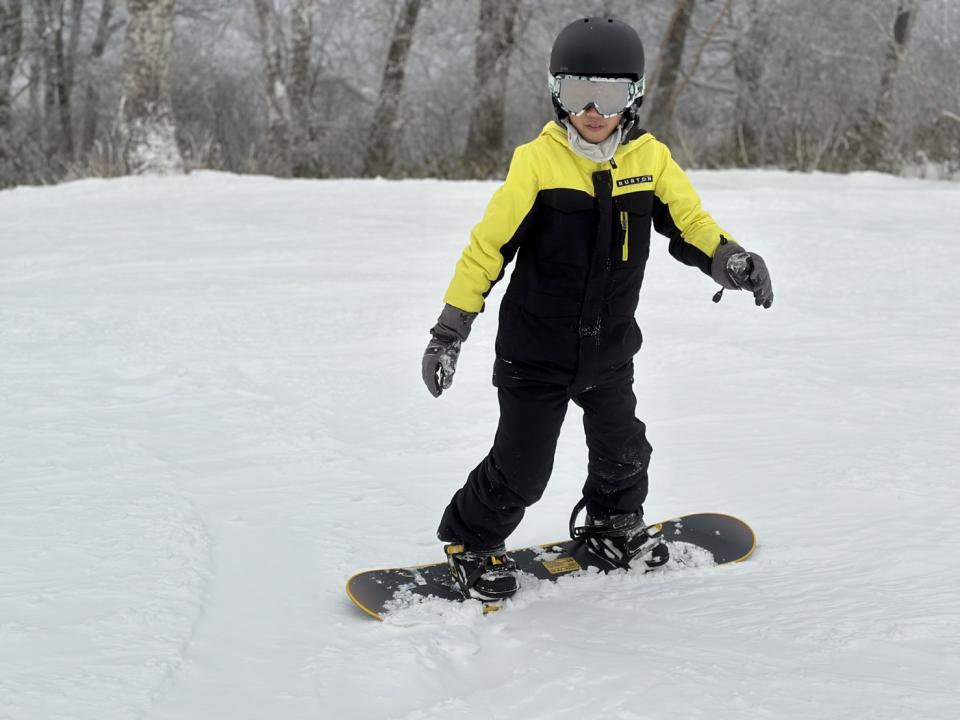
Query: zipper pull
{"type": "Point", "coordinates": [613, 163]}
{"type": "Point", "coordinates": [624, 225]}
{"type": "Point", "coordinates": [624, 229]}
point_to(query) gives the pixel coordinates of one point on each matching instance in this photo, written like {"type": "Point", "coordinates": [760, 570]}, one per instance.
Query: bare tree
{"type": "Point", "coordinates": [878, 150]}
{"type": "Point", "coordinates": [93, 80]}
{"type": "Point", "coordinates": [670, 61]}
{"type": "Point", "coordinates": [748, 55]}
{"type": "Point", "coordinates": [60, 73]}
{"type": "Point", "coordinates": [380, 156]}
{"type": "Point", "coordinates": [288, 75]}
{"type": "Point", "coordinates": [44, 76]}
{"type": "Point", "coordinates": [147, 126]}
{"type": "Point", "coordinates": [273, 50]}
{"type": "Point", "coordinates": [495, 41]}
{"type": "Point", "coordinates": [11, 42]}
{"type": "Point", "coordinates": [73, 40]}
{"type": "Point", "coordinates": [301, 24]}
{"type": "Point", "coordinates": [57, 42]}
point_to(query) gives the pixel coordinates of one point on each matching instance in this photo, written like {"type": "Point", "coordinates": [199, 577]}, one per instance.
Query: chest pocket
{"type": "Point", "coordinates": [632, 225]}
{"type": "Point", "coordinates": [568, 225]}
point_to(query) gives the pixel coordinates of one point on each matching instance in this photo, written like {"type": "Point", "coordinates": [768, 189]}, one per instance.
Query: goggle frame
{"type": "Point", "coordinates": [635, 91]}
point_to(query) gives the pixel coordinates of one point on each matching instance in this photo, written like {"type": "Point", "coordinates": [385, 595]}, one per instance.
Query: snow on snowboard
{"type": "Point", "coordinates": [726, 538]}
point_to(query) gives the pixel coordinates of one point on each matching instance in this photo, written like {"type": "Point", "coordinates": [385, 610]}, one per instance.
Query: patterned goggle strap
{"type": "Point", "coordinates": [610, 96]}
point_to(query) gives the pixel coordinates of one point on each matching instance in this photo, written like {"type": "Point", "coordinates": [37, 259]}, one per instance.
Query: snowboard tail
{"type": "Point", "coordinates": [728, 539]}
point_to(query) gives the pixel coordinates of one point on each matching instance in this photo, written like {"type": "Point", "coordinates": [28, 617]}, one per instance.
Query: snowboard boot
{"type": "Point", "coordinates": [486, 575]}
{"type": "Point", "coordinates": [621, 539]}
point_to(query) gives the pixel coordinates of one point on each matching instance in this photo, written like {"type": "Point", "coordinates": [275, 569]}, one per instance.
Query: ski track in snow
{"type": "Point", "coordinates": [212, 416]}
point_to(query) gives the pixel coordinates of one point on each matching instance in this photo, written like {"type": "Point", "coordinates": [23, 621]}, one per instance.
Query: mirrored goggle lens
{"type": "Point", "coordinates": [609, 97]}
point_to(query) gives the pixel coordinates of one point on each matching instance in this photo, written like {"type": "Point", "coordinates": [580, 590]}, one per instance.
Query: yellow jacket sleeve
{"type": "Point", "coordinates": [495, 239]}
{"type": "Point", "coordinates": [678, 214]}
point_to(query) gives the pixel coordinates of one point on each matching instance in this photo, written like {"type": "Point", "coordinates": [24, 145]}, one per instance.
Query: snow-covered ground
{"type": "Point", "coordinates": [211, 415]}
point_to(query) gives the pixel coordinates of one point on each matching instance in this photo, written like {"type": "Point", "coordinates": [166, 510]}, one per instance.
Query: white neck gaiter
{"type": "Point", "coordinates": [598, 152]}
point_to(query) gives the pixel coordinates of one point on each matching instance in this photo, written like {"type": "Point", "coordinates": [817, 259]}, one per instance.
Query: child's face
{"type": "Point", "coordinates": [594, 127]}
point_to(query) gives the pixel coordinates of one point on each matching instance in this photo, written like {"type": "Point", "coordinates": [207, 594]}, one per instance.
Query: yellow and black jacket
{"type": "Point", "coordinates": [580, 231]}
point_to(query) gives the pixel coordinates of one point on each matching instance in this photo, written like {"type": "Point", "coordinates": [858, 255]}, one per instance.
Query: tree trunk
{"type": "Point", "coordinates": [57, 64]}
{"type": "Point", "coordinates": [304, 157]}
{"type": "Point", "coordinates": [76, 23]}
{"type": "Point", "coordinates": [60, 81]}
{"type": "Point", "coordinates": [379, 158]}
{"type": "Point", "coordinates": [89, 133]}
{"type": "Point", "coordinates": [44, 75]}
{"type": "Point", "coordinates": [11, 43]}
{"type": "Point", "coordinates": [664, 96]}
{"type": "Point", "coordinates": [495, 41]}
{"type": "Point", "coordinates": [879, 151]}
{"type": "Point", "coordinates": [749, 50]}
{"type": "Point", "coordinates": [147, 125]}
{"type": "Point", "coordinates": [272, 48]}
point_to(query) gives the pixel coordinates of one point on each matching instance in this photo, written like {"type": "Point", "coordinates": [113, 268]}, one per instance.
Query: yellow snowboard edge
{"type": "Point", "coordinates": [753, 547]}
{"type": "Point", "coordinates": [356, 602]}
{"type": "Point", "coordinates": [753, 534]}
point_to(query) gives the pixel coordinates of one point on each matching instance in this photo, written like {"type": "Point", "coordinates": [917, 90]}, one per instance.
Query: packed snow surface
{"type": "Point", "coordinates": [212, 415]}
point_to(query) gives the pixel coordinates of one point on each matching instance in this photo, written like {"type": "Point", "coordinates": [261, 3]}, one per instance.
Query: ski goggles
{"type": "Point", "coordinates": [610, 96]}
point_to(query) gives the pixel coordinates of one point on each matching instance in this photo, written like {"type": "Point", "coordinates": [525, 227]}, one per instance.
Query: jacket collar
{"type": "Point", "coordinates": [637, 137]}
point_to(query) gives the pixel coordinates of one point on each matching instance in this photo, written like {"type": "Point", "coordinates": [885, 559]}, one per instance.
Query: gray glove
{"type": "Point", "coordinates": [735, 268]}
{"type": "Point", "coordinates": [440, 357]}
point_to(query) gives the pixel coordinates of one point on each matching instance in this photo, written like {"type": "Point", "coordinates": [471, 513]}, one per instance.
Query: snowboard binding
{"type": "Point", "coordinates": [486, 575]}
{"type": "Point", "coordinates": [620, 539]}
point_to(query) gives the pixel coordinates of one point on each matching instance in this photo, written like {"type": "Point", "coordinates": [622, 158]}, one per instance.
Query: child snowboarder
{"type": "Point", "coordinates": [575, 210]}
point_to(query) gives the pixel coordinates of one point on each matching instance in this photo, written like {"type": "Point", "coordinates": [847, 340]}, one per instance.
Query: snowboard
{"type": "Point", "coordinates": [726, 538]}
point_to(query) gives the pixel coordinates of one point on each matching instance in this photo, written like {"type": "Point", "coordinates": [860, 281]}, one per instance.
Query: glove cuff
{"type": "Point", "coordinates": [718, 267]}
{"type": "Point", "coordinates": [455, 322]}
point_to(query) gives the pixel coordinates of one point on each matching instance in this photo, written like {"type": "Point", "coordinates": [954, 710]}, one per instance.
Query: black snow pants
{"type": "Point", "coordinates": [514, 474]}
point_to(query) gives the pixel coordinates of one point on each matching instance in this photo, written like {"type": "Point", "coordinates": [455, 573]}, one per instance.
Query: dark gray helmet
{"type": "Point", "coordinates": [599, 47]}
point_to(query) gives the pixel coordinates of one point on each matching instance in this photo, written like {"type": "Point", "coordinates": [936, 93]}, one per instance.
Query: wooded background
{"type": "Point", "coordinates": [325, 88]}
